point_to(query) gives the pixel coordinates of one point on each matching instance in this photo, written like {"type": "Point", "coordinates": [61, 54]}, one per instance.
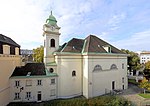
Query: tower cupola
{"type": "Point", "coordinates": [51, 20]}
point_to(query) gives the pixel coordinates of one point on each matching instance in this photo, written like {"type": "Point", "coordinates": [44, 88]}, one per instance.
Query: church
{"type": "Point", "coordinates": [89, 67]}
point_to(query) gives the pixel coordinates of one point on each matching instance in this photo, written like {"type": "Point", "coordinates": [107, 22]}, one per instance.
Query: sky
{"type": "Point", "coordinates": [122, 23]}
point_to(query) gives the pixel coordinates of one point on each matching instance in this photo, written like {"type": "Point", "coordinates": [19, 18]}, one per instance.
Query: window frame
{"type": "Point", "coordinates": [28, 95]}
{"type": "Point", "coordinates": [123, 80]}
{"type": "Point", "coordinates": [17, 83]}
{"type": "Point", "coordinates": [113, 67]}
{"type": "Point", "coordinates": [97, 68]}
{"type": "Point", "coordinates": [52, 42]}
{"type": "Point", "coordinates": [53, 92]}
{"type": "Point", "coordinates": [51, 70]}
{"type": "Point", "coordinates": [28, 82]}
{"type": "Point", "coordinates": [39, 82]}
{"type": "Point", "coordinates": [17, 96]}
{"type": "Point", "coordinates": [53, 81]}
{"type": "Point", "coordinates": [73, 73]}
{"type": "Point", "coordinates": [123, 66]}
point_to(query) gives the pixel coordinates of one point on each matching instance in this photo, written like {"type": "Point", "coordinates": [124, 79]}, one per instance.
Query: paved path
{"type": "Point", "coordinates": [131, 94]}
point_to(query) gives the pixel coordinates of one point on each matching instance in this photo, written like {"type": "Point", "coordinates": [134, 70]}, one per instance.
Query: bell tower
{"type": "Point", "coordinates": [51, 38]}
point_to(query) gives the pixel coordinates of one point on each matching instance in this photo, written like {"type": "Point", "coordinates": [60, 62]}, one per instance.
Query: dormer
{"type": "Point", "coordinates": [6, 49]}
{"type": "Point", "coordinates": [107, 48]}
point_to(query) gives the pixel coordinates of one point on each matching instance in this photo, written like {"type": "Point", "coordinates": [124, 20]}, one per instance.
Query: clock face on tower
{"type": "Point", "coordinates": [52, 28]}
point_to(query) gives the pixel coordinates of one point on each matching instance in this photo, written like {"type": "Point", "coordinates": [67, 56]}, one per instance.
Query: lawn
{"type": "Point", "coordinates": [81, 101]}
{"type": "Point", "coordinates": [132, 81]}
{"type": "Point", "coordinates": [146, 95]}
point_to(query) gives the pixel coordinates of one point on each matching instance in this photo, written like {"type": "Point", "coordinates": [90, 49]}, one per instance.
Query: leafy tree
{"type": "Point", "coordinates": [145, 84]}
{"type": "Point", "coordinates": [38, 54]}
{"type": "Point", "coordinates": [147, 65]}
{"type": "Point", "coordinates": [133, 60]}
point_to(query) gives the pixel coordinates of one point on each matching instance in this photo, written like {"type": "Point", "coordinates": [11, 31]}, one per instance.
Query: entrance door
{"type": "Point", "coordinates": [113, 85]}
{"type": "Point", "coordinates": [39, 96]}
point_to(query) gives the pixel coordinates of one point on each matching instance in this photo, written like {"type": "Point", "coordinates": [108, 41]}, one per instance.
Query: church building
{"type": "Point", "coordinates": [90, 67]}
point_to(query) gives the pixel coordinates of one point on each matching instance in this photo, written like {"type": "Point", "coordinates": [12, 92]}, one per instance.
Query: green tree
{"type": "Point", "coordinates": [147, 65]}
{"type": "Point", "coordinates": [133, 60]}
{"type": "Point", "coordinates": [38, 54]}
{"type": "Point", "coordinates": [145, 84]}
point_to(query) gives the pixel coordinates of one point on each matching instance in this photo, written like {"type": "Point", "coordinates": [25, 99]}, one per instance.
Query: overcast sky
{"type": "Point", "coordinates": [122, 23]}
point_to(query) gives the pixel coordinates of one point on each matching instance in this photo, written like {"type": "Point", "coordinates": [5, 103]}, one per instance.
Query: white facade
{"type": "Point", "coordinates": [144, 57]}
{"type": "Point", "coordinates": [31, 89]}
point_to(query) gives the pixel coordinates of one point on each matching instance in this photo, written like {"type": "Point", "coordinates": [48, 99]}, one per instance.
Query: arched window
{"type": "Point", "coordinates": [52, 42]}
{"type": "Point", "coordinates": [73, 73]}
{"type": "Point", "coordinates": [113, 66]}
{"type": "Point", "coordinates": [51, 70]}
{"type": "Point", "coordinates": [97, 68]}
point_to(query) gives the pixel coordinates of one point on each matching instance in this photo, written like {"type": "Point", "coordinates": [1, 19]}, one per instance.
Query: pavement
{"type": "Point", "coordinates": [131, 94]}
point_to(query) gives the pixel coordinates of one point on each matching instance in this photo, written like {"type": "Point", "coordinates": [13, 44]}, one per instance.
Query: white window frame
{"type": "Point", "coordinates": [17, 96]}
{"type": "Point", "coordinates": [28, 82]}
{"type": "Point", "coordinates": [122, 65]}
{"type": "Point", "coordinates": [122, 79]}
{"type": "Point", "coordinates": [28, 95]}
{"type": "Point", "coordinates": [17, 83]}
{"type": "Point", "coordinates": [39, 82]}
{"type": "Point", "coordinates": [53, 81]}
{"type": "Point", "coordinates": [53, 92]}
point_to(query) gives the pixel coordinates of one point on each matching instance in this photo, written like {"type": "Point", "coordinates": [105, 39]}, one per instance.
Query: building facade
{"type": "Point", "coordinates": [26, 56]}
{"type": "Point", "coordinates": [88, 67]}
{"type": "Point", "coordinates": [144, 57]}
{"type": "Point", "coordinates": [32, 82]}
{"type": "Point", "coordinates": [9, 59]}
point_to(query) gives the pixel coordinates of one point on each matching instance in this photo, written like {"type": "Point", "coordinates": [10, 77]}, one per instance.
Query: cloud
{"type": "Point", "coordinates": [22, 20]}
{"type": "Point", "coordinates": [115, 20]}
{"type": "Point", "coordinates": [137, 41]}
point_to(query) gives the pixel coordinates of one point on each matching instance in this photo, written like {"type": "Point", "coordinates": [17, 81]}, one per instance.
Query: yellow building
{"type": "Point", "coordinates": [9, 59]}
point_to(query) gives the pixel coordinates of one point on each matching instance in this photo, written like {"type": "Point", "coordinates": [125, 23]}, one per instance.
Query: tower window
{"type": "Point", "coordinates": [73, 73]}
{"type": "Point", "coordinates": [52, 43]}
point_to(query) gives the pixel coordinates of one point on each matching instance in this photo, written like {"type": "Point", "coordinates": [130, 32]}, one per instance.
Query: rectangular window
{"type": "Point", "coordinates": [122, 65]}
{"type": "Point", "coordinates": [28, 94]}
{"type": "Point", "coordinates": [17, 96]}
{"type": "Point", "coordinates": [39, 82]}
{"type": "Point", "coordinates": [17, 83]}
{"type": "Point", "coordinates": [52, 92]}
{"type": "Point", "coordinates": [122, 79]}
{"type": "Point", "coordinates": [28, 82]}
{"type": "Point", "coordinates": [52, 81]}
{"type": "Point", "coordinates": [113, 85]}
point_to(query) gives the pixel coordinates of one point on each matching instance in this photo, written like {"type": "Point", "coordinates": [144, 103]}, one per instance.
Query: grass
{"type": "Point", "coordinates": [132, 81]}
{"type": "Point", "coordinates": [81, 101]}
{"type": "Point", "coordinates": [146, 95]}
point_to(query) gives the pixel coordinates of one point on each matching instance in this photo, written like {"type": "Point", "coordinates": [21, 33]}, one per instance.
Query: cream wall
{"type": "Point", "coordinates": [95, 83]}
{"type": "Point", "coordinates": [68, 85]}
{"type": "Point", "coordinates": [85, 76]}
{"type": "Point", "coordinates": [7, 65]}
{"type": "Point", "coordinates": [6, 49]}
{"type": "Point", "coordinates": [45, 88]}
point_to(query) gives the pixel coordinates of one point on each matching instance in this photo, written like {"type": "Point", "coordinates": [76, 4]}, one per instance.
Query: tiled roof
{"type": "Point", "coordinates": [7, 40]}
{"type": "Point", "coordinates": [30, 68]}
{"type": "Point", "coordinates": [91, 44]}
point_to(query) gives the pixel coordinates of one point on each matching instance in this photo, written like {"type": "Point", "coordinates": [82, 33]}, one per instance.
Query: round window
{"type": "Point", "coordinates": [51, 70]}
